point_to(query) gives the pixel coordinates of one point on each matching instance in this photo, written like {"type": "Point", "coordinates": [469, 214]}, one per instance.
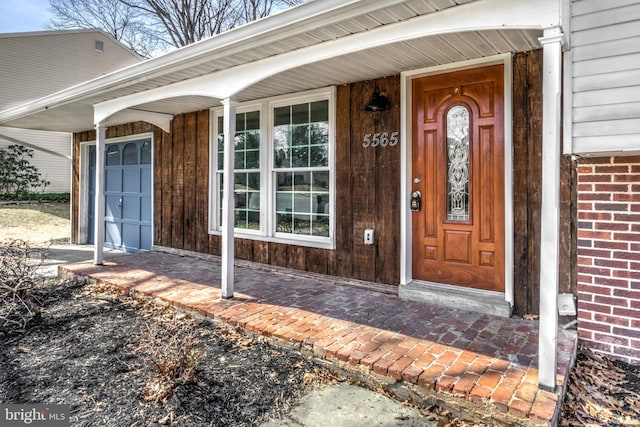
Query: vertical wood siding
{"type": "Point", "coordinates": [605, 41]}
{"type": "Point", "coordinates": [527, 186]}
{"type": "Point", "coordinates": [367, 189]}
{"type": "Point", "coordinates": [367, 195]}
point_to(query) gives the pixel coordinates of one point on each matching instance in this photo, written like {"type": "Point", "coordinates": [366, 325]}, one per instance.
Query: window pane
{"type": "Point", "coordinates": [281, 116]}
{"type": "Point", "coordinates": [220, 152]}
{"type": "Point", "coordinates": [252, 159]}
{"type": "Point", "coordinates": [130, 154]}
{"type": "Point", "coordinates": [145, 153]}
{"type": "Point", "coordinates": [252, 140]}
{"type": "Point", "coordinates": [301, 206]}
{"type": "Point", "coordinates": [239, 151]}
{"type": "Point", "coordinates": [281, 147]}
{"type": "Point", "coordinates": [247, 174]}
{"type": "Point", "coordinates": [300, 114]}
{"type": "Point", "coordinates": [253, 120]}
{"type": "Point", "coordinates": [113, 155]}
{"type": "Point", "coordinates": [240, 122]}
{"type": "Point", "coordinates": [247, 200]}
{"type": "Point", "coordinates": [319, 156]}
{"type": "Point", "coordinates": [300, 135]}
{"type": "Point", "coordinates": [458, 164]}
{"type": "Point", "coordinates": [300, 157]}
{"type": "Point", "coordinates": [302, 142]}
{"type": "Point", "coordinates": [320, 111]}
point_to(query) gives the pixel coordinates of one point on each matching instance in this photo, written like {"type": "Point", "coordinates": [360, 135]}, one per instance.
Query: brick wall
{"type": "Point", "coordinates": [609, 256]}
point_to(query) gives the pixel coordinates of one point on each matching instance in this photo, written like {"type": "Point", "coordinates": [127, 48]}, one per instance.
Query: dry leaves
{"type": "Point", "coordinates": [601, 393]}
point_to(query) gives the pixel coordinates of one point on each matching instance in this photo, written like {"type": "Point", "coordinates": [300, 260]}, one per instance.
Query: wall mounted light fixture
{"type": "Point", "coordinates": [378, 102]}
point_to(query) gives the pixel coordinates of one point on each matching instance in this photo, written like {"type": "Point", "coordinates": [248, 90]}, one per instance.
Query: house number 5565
{"type": "Point", "coordinates": [380, 139]}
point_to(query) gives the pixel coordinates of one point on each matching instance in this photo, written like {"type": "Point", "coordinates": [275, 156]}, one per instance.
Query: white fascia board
{"type": "Point", "coordinates": [477, 16]}
{"type": "Point", "coordinates": [276, 27]}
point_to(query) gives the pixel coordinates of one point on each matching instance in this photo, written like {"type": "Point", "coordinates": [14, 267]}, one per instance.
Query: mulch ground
{"type": "Point", "coordinates": [96, 349]}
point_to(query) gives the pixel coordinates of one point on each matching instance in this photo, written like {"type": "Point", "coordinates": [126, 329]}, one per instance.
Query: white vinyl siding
{"type": "Point", "coordinates": [54, 168]}
{"type": "Point", "coordinates": [37, 64]}
{"type": "Point", "coordinates": [605, 71]}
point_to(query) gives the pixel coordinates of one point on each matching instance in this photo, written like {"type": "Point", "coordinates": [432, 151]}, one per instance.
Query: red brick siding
{"type": "Point", "coordinates": [609, 256]}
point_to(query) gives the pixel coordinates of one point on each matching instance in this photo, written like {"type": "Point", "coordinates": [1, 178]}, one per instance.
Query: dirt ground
{"type": "Point", "coordinates": [96, 350]}
{"type": "Point", "coordinates": [36, 223]}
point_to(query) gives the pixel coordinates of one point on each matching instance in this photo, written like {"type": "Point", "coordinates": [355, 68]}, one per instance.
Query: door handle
{"type": "Point", "coordinates": [120, 202]}
{"type": "Point", "coordinates": [416, 199]}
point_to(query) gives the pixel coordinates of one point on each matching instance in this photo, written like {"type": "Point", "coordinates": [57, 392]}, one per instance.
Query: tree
{"type": "Point", "coordinates": [256, 9]}
{"type": "Point", "coordinates": [152, 26]}
{"type": "Point", "coordinates": [18, 177]}
{"type": "Point", "coordinates": [183, 22]}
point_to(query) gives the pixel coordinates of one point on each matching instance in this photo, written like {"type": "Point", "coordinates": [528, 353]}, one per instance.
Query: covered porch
{"type": "Point", "coordinates": [335, 46]}
{"type": "Point", "coordinates": [480, 366]}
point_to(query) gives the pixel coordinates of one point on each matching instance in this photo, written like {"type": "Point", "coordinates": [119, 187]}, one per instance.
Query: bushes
{"type": "Point", "coordinates": [18, 178]}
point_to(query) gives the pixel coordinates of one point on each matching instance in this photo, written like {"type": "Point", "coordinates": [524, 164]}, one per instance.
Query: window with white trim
{"type": "Point", "coordinates": [283, 178]}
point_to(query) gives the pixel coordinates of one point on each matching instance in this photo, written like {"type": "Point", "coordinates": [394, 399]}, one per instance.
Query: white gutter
{"type": "Point", "coordinates": [280, 26]}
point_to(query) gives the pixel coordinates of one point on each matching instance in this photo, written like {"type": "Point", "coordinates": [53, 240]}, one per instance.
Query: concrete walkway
{"type": "Point", "coordinates": [476, 365]}
{"type": "Point", "coordinates": [57, 255]}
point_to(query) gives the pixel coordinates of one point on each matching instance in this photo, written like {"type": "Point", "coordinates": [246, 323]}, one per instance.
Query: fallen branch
{"type": "Point", "coordinates": [18, 279]}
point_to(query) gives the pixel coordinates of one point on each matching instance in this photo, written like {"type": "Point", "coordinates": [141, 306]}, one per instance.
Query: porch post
{"type": "Point", "coordinates": [228, 202]}
{"type": "Point", "coordinates": [98, 236]}
{"type": "Point", "coordinates": [549, 261]}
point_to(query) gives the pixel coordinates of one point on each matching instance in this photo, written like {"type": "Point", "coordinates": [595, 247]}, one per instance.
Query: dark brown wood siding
{"type": "Point", "coordinates": [527, 187]}
{"type": "Point", "coordinates": [367, 190]}
{"type": "Point", "coordinates": [367, 179]}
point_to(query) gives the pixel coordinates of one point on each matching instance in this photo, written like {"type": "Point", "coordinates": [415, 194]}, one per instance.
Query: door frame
{"type": "Point", "coordinates": [84, 179]}
{"type": "Point", "coordinates": [406, 138]}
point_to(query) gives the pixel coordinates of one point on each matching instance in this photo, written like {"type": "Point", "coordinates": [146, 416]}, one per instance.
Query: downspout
{"type": "Point", "coordinates": [552, 43]}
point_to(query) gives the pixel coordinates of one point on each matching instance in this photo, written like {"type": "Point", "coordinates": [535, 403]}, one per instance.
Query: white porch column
{"type": "Point", "coordinates": [98, 216]}
{"type": "Point", "coordinates": [550, 219]}
{"type": "Point", "coordinates": [228, 202]}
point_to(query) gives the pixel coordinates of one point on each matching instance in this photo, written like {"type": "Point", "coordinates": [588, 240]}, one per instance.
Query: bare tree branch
{"type": "Point", "coordinates": [150, 26]}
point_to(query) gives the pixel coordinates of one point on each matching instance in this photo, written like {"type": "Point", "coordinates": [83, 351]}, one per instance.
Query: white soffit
{"type": "Point", "coordinates": [388, 59]}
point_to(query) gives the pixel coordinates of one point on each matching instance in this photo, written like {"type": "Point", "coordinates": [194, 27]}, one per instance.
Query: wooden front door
{"type": "Point", "coordinates": [458, 168]}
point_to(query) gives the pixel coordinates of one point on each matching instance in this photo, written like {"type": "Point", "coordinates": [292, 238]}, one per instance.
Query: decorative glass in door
{"type": "Point", "coordinates": [458, 164]}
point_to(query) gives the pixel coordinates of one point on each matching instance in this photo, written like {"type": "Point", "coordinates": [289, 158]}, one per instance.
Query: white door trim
{"type": "Point", "coordinates": [84, 179]}
{"type": "Point", "coordinates": [406, 79]}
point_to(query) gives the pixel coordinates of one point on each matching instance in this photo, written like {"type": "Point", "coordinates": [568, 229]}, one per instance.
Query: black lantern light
{"type": "Point", "coordinates": [378, 102]}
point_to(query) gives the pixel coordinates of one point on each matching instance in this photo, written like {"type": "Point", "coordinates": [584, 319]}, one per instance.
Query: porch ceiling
{"type": "Point", "coordinates": [72, 110]}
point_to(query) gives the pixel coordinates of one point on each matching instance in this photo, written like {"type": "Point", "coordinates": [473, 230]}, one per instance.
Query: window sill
{"type": "Point", "coordinates": [303, 240]}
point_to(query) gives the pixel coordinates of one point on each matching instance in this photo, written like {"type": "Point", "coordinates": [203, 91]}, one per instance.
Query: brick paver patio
{"type": "Point", "coordinates": [479, 365]}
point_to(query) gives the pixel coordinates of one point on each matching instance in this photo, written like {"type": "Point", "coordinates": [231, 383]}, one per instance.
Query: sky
{"type": "Point", "coordinates": [23, 15]}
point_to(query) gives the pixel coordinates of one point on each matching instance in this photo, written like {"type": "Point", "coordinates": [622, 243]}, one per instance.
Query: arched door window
{"type": "Point", "coordinates": [458, 164]}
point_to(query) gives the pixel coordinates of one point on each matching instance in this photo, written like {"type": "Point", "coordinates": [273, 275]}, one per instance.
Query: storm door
{"type": "Point", "coordinates": [458, 178]}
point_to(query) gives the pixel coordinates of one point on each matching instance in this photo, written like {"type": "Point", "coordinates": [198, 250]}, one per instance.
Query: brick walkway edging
{"type": "Point", "coordinates": [425, 372]}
